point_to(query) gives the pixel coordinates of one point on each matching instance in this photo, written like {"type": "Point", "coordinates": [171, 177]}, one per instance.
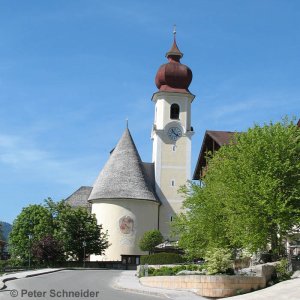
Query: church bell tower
{"type": "Point", "coordinates": [171, 135]}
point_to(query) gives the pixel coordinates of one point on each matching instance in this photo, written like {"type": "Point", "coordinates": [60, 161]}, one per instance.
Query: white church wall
{"type": "Point", "coordinates": [163, 103]}
{"type": "Point", "coordinates": [126, 220]}
{"type": "Point", "coordinates": [172, 159]}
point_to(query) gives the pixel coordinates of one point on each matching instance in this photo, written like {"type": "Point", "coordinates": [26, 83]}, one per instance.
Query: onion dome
{"type": "Point", "coordinates": [174, 76]}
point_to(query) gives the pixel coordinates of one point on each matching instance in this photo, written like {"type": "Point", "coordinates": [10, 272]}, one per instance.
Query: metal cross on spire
{"type": "Point", "coordinates": [174, 52]}
{"type": "Point", "coordinates": [174, 30]}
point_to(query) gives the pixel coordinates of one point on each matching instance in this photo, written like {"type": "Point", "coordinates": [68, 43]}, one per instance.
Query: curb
{"type": "Point", "coordinates": [46, 272]}
{"type": "Point", "coordinates": [2, 282]}
{"type": "Point", "coordinates": [137, 291]}
{"type": "Point", "coordinates": [167, 293]}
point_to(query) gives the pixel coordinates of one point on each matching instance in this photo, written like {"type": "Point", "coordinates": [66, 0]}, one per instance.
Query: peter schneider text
{"type": "Point", "coordinates": [62, 294]}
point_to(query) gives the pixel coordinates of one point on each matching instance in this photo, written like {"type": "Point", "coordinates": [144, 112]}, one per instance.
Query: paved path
{"type": "Point", "coordinates": [127, 281]}
{"type": "Point", "coordinates": [70, 284]}
{"type": "Point", "coordinates": [17, 275]}
{"type": "Point", "coordinates": [286, 290]}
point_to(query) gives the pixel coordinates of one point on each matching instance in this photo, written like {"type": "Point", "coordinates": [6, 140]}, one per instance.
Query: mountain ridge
{"type": "Point", "coordinates": [6, 229]}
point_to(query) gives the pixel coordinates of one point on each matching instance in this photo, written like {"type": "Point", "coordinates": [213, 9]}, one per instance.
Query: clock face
{"type": "Point", "coordinates": [174, 133]}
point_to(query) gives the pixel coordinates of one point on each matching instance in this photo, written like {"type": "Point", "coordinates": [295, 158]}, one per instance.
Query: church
{"type": "Point", "coordinates": [129, 196]}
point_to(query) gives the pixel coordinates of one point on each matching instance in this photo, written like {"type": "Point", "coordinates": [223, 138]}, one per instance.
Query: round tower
{"type": "Point", "coordinates": [124, 201]}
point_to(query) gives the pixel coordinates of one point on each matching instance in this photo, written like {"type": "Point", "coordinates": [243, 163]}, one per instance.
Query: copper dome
{"type": "Point", "coordinates": [174, 76]}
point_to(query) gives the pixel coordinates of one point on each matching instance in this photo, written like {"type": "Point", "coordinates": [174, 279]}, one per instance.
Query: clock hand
{"type": "Point", "coordinates": [175, 132]}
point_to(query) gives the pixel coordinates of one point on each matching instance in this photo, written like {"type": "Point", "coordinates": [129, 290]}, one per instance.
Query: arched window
{"type": "Point", "coordinates": [174, 111]}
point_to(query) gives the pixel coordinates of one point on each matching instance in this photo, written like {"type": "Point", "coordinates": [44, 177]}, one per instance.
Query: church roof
{"type": "Point", "coordinates": [174, 76]}
{"type": "Point", "coordinates": [174, 51]}
{"type": "Point", "coordinates": [124, 175]}
{"type": "Point", "coordinates": [80, 197]}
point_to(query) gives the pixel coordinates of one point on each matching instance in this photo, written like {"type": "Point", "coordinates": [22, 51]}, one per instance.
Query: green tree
{"type": "Point", "coordinates": [47, 250]}
{"type": "Point", "coordinates": [73, 229]}
{"type": "Point", "coordinates": [32, 224]}
{"type": "Point", "coordinates": [250, 195]}
{"type": "Point", "coordinates": [150, 239]}
{"type": "Point", "coordinates": [77, 229]}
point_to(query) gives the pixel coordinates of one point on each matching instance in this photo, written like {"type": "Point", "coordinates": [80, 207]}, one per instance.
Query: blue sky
{"type": "Point", "coordinates": [72, 71]}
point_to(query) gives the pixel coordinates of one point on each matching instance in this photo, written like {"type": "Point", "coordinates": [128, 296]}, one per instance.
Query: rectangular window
{"type": "Point", "coordinates": [174, 111]}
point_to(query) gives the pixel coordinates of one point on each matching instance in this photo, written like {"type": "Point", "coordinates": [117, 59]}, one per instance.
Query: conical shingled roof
{"type": "Point", "coordinates": [123, 176]}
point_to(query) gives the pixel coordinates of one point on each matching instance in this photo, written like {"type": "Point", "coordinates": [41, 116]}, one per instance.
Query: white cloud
{"type": "Point", "coordinates": [16, 151]}
{"type": "Point", "coordinates": [239, 107]}
{"type": "Point", "coordinates": [252, 105]}
{"type": "Point", "coordinates": [7, 141]}
{"type": "Point", "coordinates": [20, 155]}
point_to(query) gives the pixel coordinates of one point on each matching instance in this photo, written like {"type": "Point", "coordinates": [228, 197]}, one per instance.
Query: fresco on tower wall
{"type": "Point", "coordinates": [126, 225]}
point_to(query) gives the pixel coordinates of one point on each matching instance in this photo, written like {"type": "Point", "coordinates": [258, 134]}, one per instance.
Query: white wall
{"type": "Point", "coordinates": [172, 159]}
{"type": "Point", "coordinates": [138, 216]}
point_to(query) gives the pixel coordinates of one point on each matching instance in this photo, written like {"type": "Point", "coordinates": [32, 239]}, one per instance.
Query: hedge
{"type": "Point", "coordinates": [162, 259]}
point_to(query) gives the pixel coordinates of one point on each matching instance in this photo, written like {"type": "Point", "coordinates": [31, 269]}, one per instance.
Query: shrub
{"type": "Point", "coordinates": [3, 264]}
{"type": "Point", "coordinates": [169, 271]}
{"type": "Point", "coordinates": [195, 267]}
{"type": "Point", "coordinates": [282, 270]}
{"type": "Point", "coordinates": [165, 271]}
{"type": "Point", "coordinates": [150, 239]}
{"type": "Point", "coordinates": [11, 263]}
{"type": "Point", "coordinates": [16, 262]}
{"type": "Point", "coordinates": [161, 259]}
{"type": "Point", "coordinates": [218, 260]}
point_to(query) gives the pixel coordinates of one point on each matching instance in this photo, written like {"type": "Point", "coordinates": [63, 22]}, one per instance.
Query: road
{"type": "Point", "coordinates": [70, 285]}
